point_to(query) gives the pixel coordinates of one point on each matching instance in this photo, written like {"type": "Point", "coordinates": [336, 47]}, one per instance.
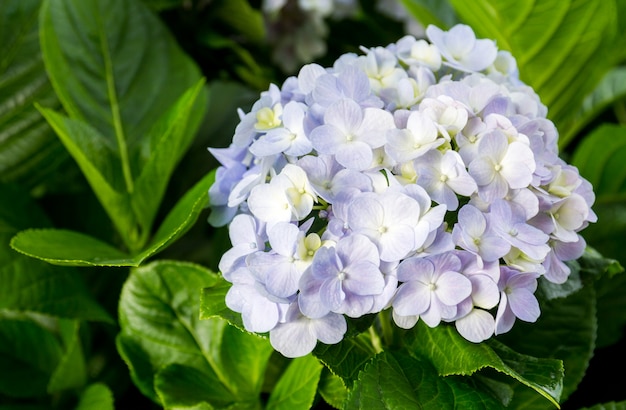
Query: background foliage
{"type": "Point", "coordinates": [109, 296]}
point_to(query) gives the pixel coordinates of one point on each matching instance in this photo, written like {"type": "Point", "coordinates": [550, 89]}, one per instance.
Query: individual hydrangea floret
{"type": "Point", "coordinates": [421, 178]}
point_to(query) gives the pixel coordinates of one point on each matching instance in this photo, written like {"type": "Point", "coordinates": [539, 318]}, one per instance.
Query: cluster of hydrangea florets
{"type": "Point", "coordinates": [421, 177]}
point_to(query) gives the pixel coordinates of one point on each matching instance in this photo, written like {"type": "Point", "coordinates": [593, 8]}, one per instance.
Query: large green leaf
{"type": "Point", "coordinates": [126, 71]}
{"type": "Point", "coordinates": [563, 47]}
{"type": "Point", "coordinates": [612, 88]}
{"type": "Point", "coordinates": [101, 166]}
{"type": "Point", "coordinates": [159, 316]}
{"type": "Point", "coordinates": [346, 358]}
{"type": "Point", "coordinates": [71, 248]}
{"type": "Point", "coordinates": [567, 330]}
{"type": "Point", "coordinates": [166, 143]}
{"type": "Point", "coordinates": [453, 355]}
{"type": "Point", "coordinates": [439, 13]}
{"type": "Point", "coordinates": [28, 148]}
{"type": "Point", "coordinates": [332, 389]}
{"type": "Point", "coordinates": [297, 387]}
{"type": "Point", "coordinates": [180, 386]}
{"type": "Point", "coordinates": [395, 379]}
{"type": "Point", "coordinates": [600, 159]}
{"type": "Point", "coordinates": [71, 373]}
{"type": "Point", "coordinates": [32, 285]}
{"type": "Point", "coordinates": [134, 100]}
{"type": "Point", "coordinates": [29, 354]}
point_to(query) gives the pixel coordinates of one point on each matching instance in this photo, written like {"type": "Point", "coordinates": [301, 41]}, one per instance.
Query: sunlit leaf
{"type": "Point", "coordinates": [159, 317]}
{"type": "Point", "coordinates": [563, 47]}
{"type": "Point", "coordinates": [133, 98]}
{"type": "Point", "coordinates": [71, 248]}
{"type": "Point", "coordinates": [453, 355]}
{"type": "Point", "coordinates": [297, 387]}
{"type": "Point", "coordinates": [397, 380]}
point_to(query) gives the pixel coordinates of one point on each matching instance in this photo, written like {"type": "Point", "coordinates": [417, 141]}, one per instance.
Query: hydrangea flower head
{"type": "Point", "coordinates": [419, 177]}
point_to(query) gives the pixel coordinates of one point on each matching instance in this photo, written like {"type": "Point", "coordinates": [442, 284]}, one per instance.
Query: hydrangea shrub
{"type": "Point", "coordinates": [421, 177]}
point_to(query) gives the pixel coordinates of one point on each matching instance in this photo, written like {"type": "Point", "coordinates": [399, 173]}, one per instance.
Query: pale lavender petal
{"type": "Point", "coordinates": [346, 115]}
{"type": "Point", "coordinates": [354, 155]}
{"type": "Point", "coordinates": [260, 316]}
{"type": "Point", "coordinates": [357, 248]}
{"type": "Point", "coordinates": [504, 317]}
{"type": "Point", "coordinates": [327, 138]}
{"type": "Point", "coordinates": [405, 322]}
{"type": "Point", "coordinates": [332, 294]}
{"type": "Point", "coordinates": [413, 269]}
{"type": "Point", "coordinates": [452, 288]}
{"type": "Point", "coordinates": [396, 243]}
{"type": "Point", "coordinates": [330, 329]}
{"type": "Point", "coordinates": [364, 278]}
{"type": "Point", "coordinates": [524, 305]}
{"type": "Point", "coordinates": [412, 298]}
{"type": "Point", "coordinates": [485, 292]}
{"type": "Point", "coordinates": [477, 326]}
{"type": "Point", "coordinates": [294, 339]}
{"type": "Point", "coordinates": [309, 297]}
{"type": "Point", "coordinates": [283, 238]}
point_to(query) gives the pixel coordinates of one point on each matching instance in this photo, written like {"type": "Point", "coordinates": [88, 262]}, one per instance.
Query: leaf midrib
{"type": "Point", "coordinates": [115, 108]}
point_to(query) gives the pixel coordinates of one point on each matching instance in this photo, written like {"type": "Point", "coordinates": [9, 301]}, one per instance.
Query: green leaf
{"type": "Point", "coordinates": [29, 151]}
{"type": "Point", "coordinates": [159, 317]}
{"type": "Point", "coordinates": [439, 13]}
{"type": "Point", "coordinates": [346, 358]}
{"type": "Point", "coordinates": [128, 103]}
{"type": "Point", "coordinates": [595, 265]}
{"type": "Point", "coordinates": [297, 387]}
{"type": "Point", "coordinates": [611, 306]}
{"type": "Point", "coordinates": [563, 48]}
{"type": "Point", "coordinates": [166, 141]}
{"type": "Point", "coordinates": [600, 158]}
{"type": "Point", "coordinates": [127, 71]}
{"type": "Point", "coordinates": [181, 217]}
{"type": "Point", "coordinates": [567, 330]}
{"type": "Point", "coordinates": [100, 165]}
{"type": "Point", "coordinates": [610, 89]}
{"type": "Point", "coordinates": [71, 373]}
{"type": "Point", "coordinates": [63, 247]}
{"type": "Point", "coordinates": [29, 354]}
{"type": "Point", "coordinates": [32, 285]}
{"type": "Point", "coordinates": [71, 248]}
{"type": "Point", "coordinates": [332, 389]}
{"type": "Point", "coordinates": [395, 379]}
{"type": "Point", "coordinates": [213, 304]}
{"type": "Point", "coordinates": [451, 354]}
{"type": "Point", "coordinates": [96, 397]}
{"type": "Point", "coordinates": [181, 386]}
